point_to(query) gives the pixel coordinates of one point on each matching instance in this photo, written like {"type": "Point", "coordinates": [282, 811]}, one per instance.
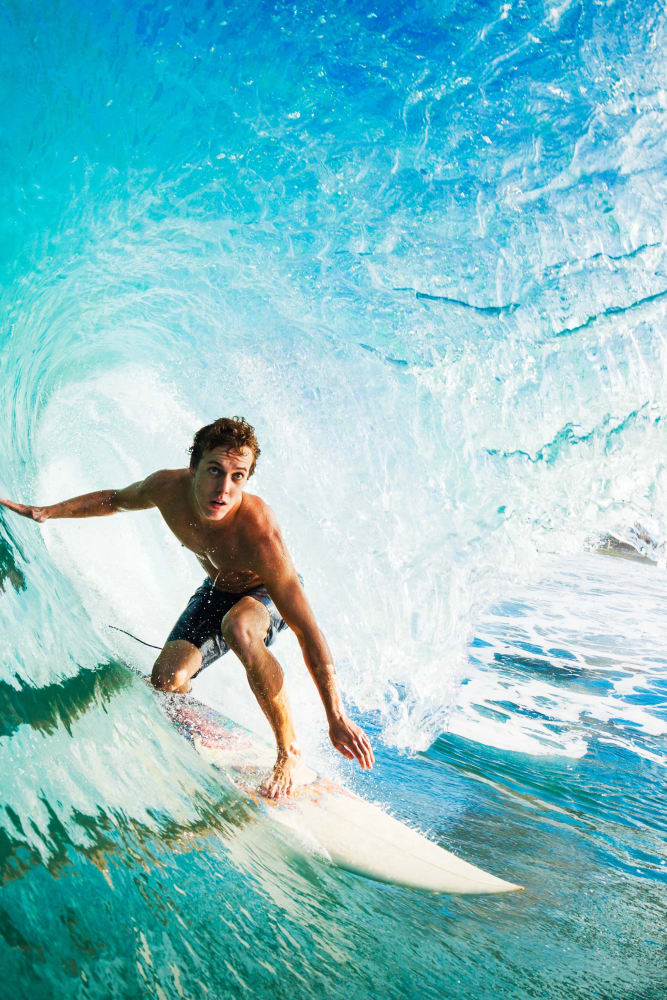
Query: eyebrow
{"type": "Point", "coordinates": [237, 468]}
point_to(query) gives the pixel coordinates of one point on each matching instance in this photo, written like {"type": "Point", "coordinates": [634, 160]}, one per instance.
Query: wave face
{"type": "Point", "coordinates": [422, 249]}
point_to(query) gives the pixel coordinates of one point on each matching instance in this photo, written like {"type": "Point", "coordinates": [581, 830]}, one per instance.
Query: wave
{"type": "Point", "coordinates": [246, 258]}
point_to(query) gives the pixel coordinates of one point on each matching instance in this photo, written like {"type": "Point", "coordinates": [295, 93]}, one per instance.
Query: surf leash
{"type": "Point", "coordinates": [135, 637]}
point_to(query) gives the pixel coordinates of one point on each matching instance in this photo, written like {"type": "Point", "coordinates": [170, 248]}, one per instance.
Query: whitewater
{"type": "Point", "coordinates": [422, 249]}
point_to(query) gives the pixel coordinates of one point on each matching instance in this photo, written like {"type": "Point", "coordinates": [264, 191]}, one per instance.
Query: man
{"type": "Point", "coordinates": [251, 591]}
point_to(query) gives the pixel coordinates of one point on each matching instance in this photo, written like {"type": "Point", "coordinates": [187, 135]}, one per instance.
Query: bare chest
{"type": "Point", "coordinates": [221, 554]}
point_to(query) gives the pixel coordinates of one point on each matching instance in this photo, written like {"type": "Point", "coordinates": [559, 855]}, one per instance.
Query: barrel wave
{"type": "Point", "coordinates": [422, 248]}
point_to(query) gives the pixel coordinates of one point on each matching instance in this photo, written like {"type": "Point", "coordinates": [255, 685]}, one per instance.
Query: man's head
{"type": "Point", "coordinates": [222, 459]}
{"type": "Point", "coordinates": [231, 433]}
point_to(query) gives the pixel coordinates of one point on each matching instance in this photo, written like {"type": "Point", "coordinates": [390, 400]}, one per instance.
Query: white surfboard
{"type": "Point", "coordinates": [353, 833]}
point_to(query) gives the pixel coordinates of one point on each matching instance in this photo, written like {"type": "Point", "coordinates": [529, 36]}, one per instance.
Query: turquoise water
{"type": "Point", "coordinates": [422, 248]}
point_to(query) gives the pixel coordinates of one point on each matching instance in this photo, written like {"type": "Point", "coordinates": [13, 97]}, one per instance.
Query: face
{"type": "Point", "coordinates": [219, 480]}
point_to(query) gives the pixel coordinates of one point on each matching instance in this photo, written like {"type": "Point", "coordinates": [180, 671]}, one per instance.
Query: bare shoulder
{"type": "Point", "coordinates": [259, 518]}
{"type": "Point", "coordinates": [260, 524]}
{"type": "Point", "coordinates": [156, 490]}
{"type": "Point", "coordinates": [159, 489]}
{"type": "Point", "coordinates": [164, 485]}
{"type": "Point", "coordinates": [263, 540]}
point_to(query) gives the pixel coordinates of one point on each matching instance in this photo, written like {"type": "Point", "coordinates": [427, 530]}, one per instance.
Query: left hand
{"type": "Point", "coordinates": [351, 741]}
{"type": "Point", "coordinates": [38, 514]}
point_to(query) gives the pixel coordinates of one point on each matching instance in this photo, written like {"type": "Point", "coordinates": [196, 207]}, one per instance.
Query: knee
{"type": "Point", "coordinates": [241, 636]}
{"type": "Point", "coordinates": [166, 679]}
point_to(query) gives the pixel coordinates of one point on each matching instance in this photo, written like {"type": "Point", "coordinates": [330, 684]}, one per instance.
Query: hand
{"type": "Point", "coordinates": [34, 513]}
{"type": "Point", "coordinates": [352, 742]}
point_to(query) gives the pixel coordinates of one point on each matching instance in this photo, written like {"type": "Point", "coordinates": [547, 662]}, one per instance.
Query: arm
{"type": "Point", "coordinates": [103, 502]}
{"type": "Point", "coordinates": [273, 564]}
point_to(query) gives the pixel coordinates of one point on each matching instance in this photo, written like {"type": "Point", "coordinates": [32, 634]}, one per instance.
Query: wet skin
{"type": "Point", "coordinates": [237, 539]}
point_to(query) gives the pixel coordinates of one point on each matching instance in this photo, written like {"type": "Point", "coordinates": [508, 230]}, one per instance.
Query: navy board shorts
{"type": "Point", "coordinates": [201, 622]}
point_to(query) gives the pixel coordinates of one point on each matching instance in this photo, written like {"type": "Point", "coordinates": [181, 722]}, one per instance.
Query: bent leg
{"type": "Point", "coordinates": [244, 629]}
{"type": "Point", "coordinates": [175, 667]}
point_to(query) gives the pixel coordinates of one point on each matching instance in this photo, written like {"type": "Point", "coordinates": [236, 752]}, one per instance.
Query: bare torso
{"type": "Point", "coordinates": [224, 549]}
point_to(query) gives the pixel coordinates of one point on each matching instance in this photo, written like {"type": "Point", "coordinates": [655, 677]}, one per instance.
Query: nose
{"type": "Point", "coordinates": [226, 485]}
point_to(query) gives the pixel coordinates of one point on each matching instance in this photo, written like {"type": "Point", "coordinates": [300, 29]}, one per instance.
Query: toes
{"type": "Point", "coordinates": [280, 784]}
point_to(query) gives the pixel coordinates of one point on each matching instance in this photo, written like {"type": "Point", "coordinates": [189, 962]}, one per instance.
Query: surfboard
{"type": "Point", "coordinates": [352, 833]}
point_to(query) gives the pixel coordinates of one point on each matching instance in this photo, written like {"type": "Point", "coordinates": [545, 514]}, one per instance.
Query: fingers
{"type": "Point", "coordinates": [363, 752]}
{"type": "Point", "coordinates": [359, 754]}
{"type": "Point", "coordinates": [19, 508]}
{"type": "Point", "coordinates": [38, 514]}
{"type": "Point", "coordinates": [367, 751]}
{"type": "Point", "coordinates": [356, 747]}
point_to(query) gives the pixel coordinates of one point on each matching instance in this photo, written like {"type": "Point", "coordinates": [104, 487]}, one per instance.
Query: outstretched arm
{"type": "Point", "coordinates": [275, 568]}
{"type": "Point", "coordinates": [103, 502]}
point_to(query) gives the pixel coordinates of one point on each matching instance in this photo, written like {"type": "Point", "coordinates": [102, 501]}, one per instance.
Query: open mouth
{"type": "Point", "coordinates": [218, 503]}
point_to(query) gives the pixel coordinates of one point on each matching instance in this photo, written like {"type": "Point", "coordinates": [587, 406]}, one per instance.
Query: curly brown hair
{"type": "Point", "coordinates": [234, 432]}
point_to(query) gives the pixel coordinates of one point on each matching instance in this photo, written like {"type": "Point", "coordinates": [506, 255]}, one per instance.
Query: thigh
{"type": "Point", "coordinates": [199, 625]}
{"type": "Point", "coordinates": [276, 622]}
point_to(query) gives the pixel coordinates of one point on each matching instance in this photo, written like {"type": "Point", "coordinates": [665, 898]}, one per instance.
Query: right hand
{"type": "Point", "coordinates": [34, 513]}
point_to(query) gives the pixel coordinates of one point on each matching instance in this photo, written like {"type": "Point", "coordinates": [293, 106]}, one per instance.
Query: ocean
{"type": "Point", "coordinates": [421, 247]}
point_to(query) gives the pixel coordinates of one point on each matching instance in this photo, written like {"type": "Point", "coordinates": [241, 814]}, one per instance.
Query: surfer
{"type": "Point", "coordinates": [250, 593]}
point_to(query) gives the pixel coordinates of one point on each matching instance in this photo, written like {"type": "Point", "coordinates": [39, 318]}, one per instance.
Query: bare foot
{"type": "Point", "coordinates": [284, 777]}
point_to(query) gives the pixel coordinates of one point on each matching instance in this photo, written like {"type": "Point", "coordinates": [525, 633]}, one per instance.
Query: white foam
{"type": "Point", "coordinates": [586, 640]}
{"type": "Point", "coordinates": [105, 433]}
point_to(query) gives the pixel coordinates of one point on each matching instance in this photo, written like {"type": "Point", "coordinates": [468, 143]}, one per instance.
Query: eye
{"type": "Point", "coordinates": [237, 475]}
